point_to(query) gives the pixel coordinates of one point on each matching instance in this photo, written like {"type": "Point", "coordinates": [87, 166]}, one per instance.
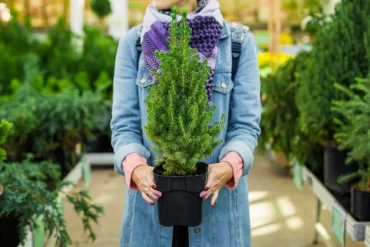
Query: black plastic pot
{"type": "Point", "coordinates": [180, 204]}
{"type": "Point", "coordinates": [360, 204]}
{"type": "Point", "coordinates": [334, 167]}
{"type": "Point", "coordinates": [9, 236]}
{"type": "Point", "coordinates": [100, 144]}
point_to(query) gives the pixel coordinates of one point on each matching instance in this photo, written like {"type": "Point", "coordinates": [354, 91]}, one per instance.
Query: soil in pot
{"type": "Point", "coordinates": [180, 203]}
{"type": "Point", "coordinates": [360, 204]}
{"type": "Point", "coordinates": [334, 167]}
{"type": "Point", "coordinates": [9, 236]}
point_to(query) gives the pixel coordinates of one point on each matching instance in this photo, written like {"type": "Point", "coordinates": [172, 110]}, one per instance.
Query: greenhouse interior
{"type": "Point", "coordinates": [286, 165]}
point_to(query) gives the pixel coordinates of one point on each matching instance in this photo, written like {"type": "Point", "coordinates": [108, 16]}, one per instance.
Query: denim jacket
{"type": "Point", "coordinates": [227, 224]}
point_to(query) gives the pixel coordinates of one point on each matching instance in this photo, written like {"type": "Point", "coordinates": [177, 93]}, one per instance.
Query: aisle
{"type": "Point", "coordinates": [281, 216]}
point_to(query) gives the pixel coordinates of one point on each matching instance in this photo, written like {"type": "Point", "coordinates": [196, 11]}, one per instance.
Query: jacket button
{"type": "Point", "coordinates": [143, 80]}
{"type": "Point", "coordinates": [197, 230]}
{"type": "Point", "coordinates": [223, 84]}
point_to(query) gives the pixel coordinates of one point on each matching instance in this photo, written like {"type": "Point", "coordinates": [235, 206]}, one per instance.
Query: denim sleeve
{"type": "Point", "coordinates": [126, 119]}
{"type": "Point", "coordinates": [245, 107]}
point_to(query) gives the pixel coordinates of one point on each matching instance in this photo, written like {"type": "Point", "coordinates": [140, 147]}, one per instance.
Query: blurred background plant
{"type": "Point", "coordinates": [27, 197]}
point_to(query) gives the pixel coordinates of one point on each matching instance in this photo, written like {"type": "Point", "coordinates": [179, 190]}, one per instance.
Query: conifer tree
{"type": "Point", "coordinates": [338, 56]}
{"type": "Point", "coordinates": [179, 116]}
{"type": "Point", "coordinates": [354, 128]}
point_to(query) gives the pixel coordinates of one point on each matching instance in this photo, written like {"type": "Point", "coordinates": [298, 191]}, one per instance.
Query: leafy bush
{"type": "Point", "coordinates": [338, 56]}
{"type": "Point", "coordinates": [27, 196]}
{"type": "Point", "coordinates": [59, 56]}
{"type": "Point", "coordinates": [279, 118]}
{"type": "Point", "coordinates": [178, 111]}
{"type": "Point", "coordinates": [46, 124]}
{"type": "Point", "coordinates": [98, 55]}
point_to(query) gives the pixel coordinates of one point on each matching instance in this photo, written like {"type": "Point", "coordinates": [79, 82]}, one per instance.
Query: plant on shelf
{"type": "Point", "coordinates": [335, 46]}
{"type": "Point", "coordinates": [27, 198]}
{"type": "Point", "coordinates": [333, 53]}
{"type": "Point", "coordinates": [280, 131]}
{"type": "Point", "coordinates": [179, 118]}
{"type": "Point", "coordinates": [354, 124]}
{"type": "Point", "coordinates": [50, 126]}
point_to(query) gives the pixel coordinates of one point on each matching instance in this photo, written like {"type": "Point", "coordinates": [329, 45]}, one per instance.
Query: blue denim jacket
{"type": "Point", "coordinates": [227, 224]}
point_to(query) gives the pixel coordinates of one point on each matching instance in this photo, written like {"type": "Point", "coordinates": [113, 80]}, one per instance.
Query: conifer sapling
{"type": "Point", "coordinates": [179, 115]}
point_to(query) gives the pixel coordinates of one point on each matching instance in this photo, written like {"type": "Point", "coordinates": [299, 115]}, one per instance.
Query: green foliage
{"type": "Point", "coordinates": [28, 197]}
{"type": "Point", "coordinates": [98, 55]}
{"type": "Point", "coordinates": [15, 43]}
{"type": "Point", "coordinates": [354, 126]}
{"type": "Point", "coordinates": [338, 56]}
{"type": "Point", "coordinates": [45, 122]}
{"type": "Point", "coordinates": [101, 8]}
{"type": "Point", "coordinates": [279, 118]}
{"type": "Point", "coordinates": [59, 56]}
{"type": "Point", "coordinates": [178, 111]}
{"type": "Point", "coordinates": [318, 20]}
{"type": "Point", "coordinates": [5, 127]}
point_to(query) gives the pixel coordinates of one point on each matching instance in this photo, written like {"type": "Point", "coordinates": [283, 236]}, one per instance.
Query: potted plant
{"type": "Point", "coordinates": [332, 54]}
{"type": "Point", "coordinates": [279, 117]}
{"type": "Point", "coordinates": [179, 126]}
{"type": "Point", "coordinates": [25, 197]}
{"type": "Point", "coordinates": [49, 125]}
{"type": "Point", "coordinates": [354, 136]}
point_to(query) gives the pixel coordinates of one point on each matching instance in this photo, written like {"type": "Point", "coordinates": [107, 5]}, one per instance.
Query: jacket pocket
{"type": "Point", "coordinates": [143, 79]}
{"type": "Point", "coordinates": [222, 82]}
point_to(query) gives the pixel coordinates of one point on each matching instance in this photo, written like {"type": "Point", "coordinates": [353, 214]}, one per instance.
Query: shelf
{"type": "Point", "coordinates": [354, 228]}
{"type": "Point", "coordinates": [367, 236]}
{"type": "Point", "coordinates": [319, 189]}
{"type": "Point", "coordinates": [105, 159]}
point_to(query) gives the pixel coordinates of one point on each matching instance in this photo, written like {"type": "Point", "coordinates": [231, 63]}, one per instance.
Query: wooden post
{"type": "Point", "coordinates": [274, 27]}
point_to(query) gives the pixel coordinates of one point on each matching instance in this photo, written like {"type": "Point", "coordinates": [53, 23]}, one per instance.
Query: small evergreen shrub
{"type": "Point", "coordinates": [354, 126]}
{"type": "Point", "coordinates": [178, 112]}
{"type": "Point", "coordinates": [338, 56]}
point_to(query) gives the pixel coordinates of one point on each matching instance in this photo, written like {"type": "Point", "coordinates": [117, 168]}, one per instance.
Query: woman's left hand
{"type": "Point", "coordinates": [218, 175]}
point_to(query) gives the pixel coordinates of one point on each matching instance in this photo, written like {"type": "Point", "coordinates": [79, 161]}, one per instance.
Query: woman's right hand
{"type": "Point", "coordinates": [144, 179]}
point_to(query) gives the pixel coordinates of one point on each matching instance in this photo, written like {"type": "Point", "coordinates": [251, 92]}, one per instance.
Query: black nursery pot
{"type": "Point", "coordinates": [9, 236]}
{"type": "Point", "coordinates": [180, 204]}
{"type": "Point", "coordinates": [334, 167]}
{"type": "Point", "coordinates": [360, 204]}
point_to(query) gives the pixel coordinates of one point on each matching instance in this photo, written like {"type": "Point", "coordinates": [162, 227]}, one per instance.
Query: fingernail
{"type": "Point", "coordinates": [152, 203]}
{"type": "Point", "coordinates": [212, 205]}
{"type": "Point", "coordinates": [206, 188]}
{"type": "Point", "coordinates": [159, 194]}
{"type": "Point", "coordinates": [202, 194]}
{"type": "Point", "coordinates": [155, 197]}
{"type": "Point", "coordinates": [154, 186]}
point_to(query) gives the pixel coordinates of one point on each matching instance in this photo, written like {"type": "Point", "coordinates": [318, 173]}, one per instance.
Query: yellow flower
{"type": "Point", "coordinates": [265, 59]}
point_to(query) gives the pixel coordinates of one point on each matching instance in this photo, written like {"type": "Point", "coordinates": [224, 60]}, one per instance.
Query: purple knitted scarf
{"type": "Point", "coordinates": [206, 31]}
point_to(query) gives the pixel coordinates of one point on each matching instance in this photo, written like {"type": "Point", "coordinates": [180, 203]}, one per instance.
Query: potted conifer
{"type": "Point", "coordinates": [333, 53]}
{"type": "Point", "coordinates": [179, 126]}
{"type": "Point", "coordinates": [354, 123]}
{"type": "Point", "coordinates": [279, 118]}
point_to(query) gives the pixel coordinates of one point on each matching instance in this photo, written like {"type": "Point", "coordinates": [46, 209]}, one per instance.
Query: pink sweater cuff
{"type": "Point", "coordinates": [236, 162]}
{"type": "Point", "coordinates": [132, 161]}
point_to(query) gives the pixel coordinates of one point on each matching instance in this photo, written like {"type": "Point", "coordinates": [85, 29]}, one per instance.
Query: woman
{"type": "Point", "coordinates": [225, 223]}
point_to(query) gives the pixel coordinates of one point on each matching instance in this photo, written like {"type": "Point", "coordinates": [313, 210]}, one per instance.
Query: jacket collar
{"type": "Point", "coordinates": [225, 32]}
